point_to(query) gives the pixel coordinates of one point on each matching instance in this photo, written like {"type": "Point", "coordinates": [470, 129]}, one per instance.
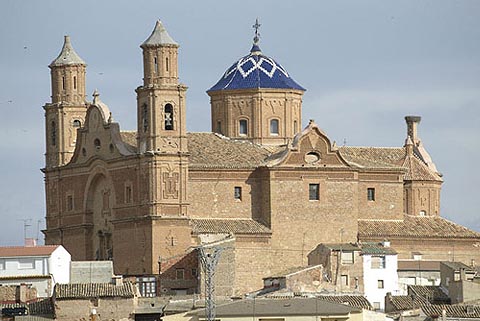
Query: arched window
{"type": "Point", "coordinates": [63, 82]}
{"type": "Point", "coordinates": [74, 82]}
{"type": "Point", "coordinates": [155, 63]}
{"type": "Point", "coordinates": [145, 117]}
{"type": "Point", "coordinates": [274, 127]}
{"type": "Point", "coordinates": [97, 143]}
{"type": "Point", "coordinates": [77, 123]}
{"type": "Point", "coordinates": [168, 111]}
{"type": "Point", "coordinates": [243, 127]}
{"type": "Point", "coordinates": [53, 133]}
{"type": "Point", "coordinates": [166, 64]}
{"type": "Point", "coordinates": [295, 127]}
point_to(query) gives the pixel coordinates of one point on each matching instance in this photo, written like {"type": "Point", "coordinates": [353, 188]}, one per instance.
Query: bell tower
{"type": "Point", "coordinates": [161, 100]}
{"type": "Point", "coordinates": [68, 108]}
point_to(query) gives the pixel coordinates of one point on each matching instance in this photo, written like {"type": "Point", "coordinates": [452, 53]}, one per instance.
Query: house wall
{"type": "Point", "coordinates": [406, 278]}
{"type": "Point", "coordinates": [43, 286]}
{"type": "Point", "coordinates": [372, 275]}
{"type": "Point", "coordinates": [59, 265]}
{"type": "Point", "coordinates": [112, 309]}
{"type": "Point", "coordinates": [91, 271]}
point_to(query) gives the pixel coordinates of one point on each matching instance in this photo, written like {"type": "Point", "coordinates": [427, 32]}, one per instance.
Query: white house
{"type": "Point", "coordinates": [40, 267]}
{"type": "Point", "coordinates": [379, 272]}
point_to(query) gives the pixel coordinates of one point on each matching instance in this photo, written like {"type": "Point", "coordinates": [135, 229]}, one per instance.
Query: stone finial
{"type": "Point", "coordinates": [409, 146]}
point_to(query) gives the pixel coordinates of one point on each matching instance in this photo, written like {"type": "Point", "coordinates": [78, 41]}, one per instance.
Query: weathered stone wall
{"type": "Point", "coordinates": [106, 309]}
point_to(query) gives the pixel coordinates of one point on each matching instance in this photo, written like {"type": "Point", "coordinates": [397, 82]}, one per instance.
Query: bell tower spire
{"type": "Point", "coordinates": [67, 110]}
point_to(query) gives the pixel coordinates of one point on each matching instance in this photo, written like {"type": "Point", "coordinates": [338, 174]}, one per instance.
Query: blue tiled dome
{"type": "Point", "coordinates": [255, 71]}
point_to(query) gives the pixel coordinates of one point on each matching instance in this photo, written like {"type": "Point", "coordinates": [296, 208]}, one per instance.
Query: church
{"type": "Point", "coordinates": [260, 182]}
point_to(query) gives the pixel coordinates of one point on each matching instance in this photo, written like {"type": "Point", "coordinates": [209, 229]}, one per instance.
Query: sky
{"type": "Point", "coordinates": [365, 65]}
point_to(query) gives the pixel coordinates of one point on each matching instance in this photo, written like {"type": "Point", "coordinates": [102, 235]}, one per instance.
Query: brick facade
{"type": "Point", "coordinates": [133, 197]}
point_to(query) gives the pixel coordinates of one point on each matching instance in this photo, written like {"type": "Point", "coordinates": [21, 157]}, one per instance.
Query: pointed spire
{"type": "Point", "coordinates": [159, 37]}
{"type": "Point", "coordinates": [256, 39]}
{"type": "Point", "coordinates": [67, 56]}
{"type": "Point", "coordinates": [409, 146]}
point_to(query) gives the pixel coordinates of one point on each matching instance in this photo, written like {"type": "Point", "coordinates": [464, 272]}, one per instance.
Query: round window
{"type": "Point", "coordinates": [312, 157]}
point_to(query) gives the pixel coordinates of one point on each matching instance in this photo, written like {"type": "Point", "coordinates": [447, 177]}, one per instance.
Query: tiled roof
{"type": "Point", "coordinates": [457, 265]}
{"type": "Point", "coordinates": [404, 302]}
{"type": "Point", "coordinates": [235, 226]}
{"type": "Point", "coordinates": [293, 270]}
{"type": "Point", "coordinates": [342, 246]}
{"type": "Point", "coordinates": [418, 265]}
{"type": "Point", "coordinates": [453, 311]}
{"type": "Point", "coordinates": [414, 226]}
{"type": "Point", "coordinates": [373, 157]}
{"type": "Point", "coordinates": [432, 293]}
{"type": "Point", "coordinates": [373, 248]}
{"type": "Point", "coordinates": [214, 151]}
{"type": "Point", "coordinates": [281, 307]}
{"type": "Point", "coordinates": [13, 251]}
{"type": "Point", "coordinates": [255, 71]}
{"type": "Point", "coordinates": [93, 290]}
{"type": "Point", "coordinates": [417, 170]}
{"type": "Point", "coordinates": [356, 301]}
{"type": "Point", "coordinates": [130, 138]}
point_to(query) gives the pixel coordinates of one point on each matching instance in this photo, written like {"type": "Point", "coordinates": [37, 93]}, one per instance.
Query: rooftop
{"type": "Point", "coordinates": [233, 226]}
{"type": "Point", "coordinates": [67, 56]}
{"type": "Point", "coordinates": [373, 248]}
{"type": "Point", "coordinates": [281, 307]}
{"type": "Point", "coordinates": [159, 36]}
{"type": "Point", "coordinates": [94, 290]}
{"type": "Point", "coordinates": [15, 251]}
{"type": "Point", "coordinates": [414, 226]}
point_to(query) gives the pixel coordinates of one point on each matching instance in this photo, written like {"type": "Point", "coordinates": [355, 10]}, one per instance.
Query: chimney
{"type": "Point", "coordinates": [386, 243]}
{"type": "Point", "coordinates": [412, 123]}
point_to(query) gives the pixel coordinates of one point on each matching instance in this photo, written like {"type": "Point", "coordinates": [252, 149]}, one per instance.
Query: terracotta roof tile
{"type": "Point", "coordinates": [93, 290]}
{"type": "Point", "coordinates": [373, 157]}
{"type": "Point", "coordinates": [453, 311]}
{"type": "Point", "coordinates": [414, 226]}
{"type": "Point", "coordinates": [357, 301]}
{"type": "Point", "coordinates": [215, 151]}
{"type": "Point", "coordinates": [417, 170]}
{"type": "Point", "coordinates": [403, 302]}
{"type": "Point", "coordinates": [13, 251]}
{"type": "Point", "coordinates": [373, 248]}
{"type": "Point", "coordinates": [432, 293]}
{"type": "Point", "coordinates": [235, 226]}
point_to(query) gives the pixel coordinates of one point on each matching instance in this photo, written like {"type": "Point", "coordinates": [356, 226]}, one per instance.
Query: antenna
{"type": "Point", "coordinates": [26, 224]}
{"type": "Point", "coordinates": [38, 229]}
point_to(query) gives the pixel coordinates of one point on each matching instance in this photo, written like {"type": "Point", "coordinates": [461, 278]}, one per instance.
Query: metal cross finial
{"type": "Point", "coordinates": [256, 26]}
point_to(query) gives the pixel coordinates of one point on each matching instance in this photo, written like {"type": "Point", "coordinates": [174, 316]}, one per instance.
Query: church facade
{"type": "Point", "coordinates": [258, 182]}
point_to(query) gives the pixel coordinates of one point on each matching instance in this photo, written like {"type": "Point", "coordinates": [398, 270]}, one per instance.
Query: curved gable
{"type": "Point", "coordinates": [99, 137]}
{"type": "Point", "coordinates": [311, 148]}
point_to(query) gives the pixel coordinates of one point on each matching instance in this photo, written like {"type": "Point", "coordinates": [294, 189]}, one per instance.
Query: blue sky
{"type": "Point", "coordinates": [365, 64]}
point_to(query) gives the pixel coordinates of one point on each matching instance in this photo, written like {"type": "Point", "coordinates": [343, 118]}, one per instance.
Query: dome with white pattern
{"type": "Point", "coordinates": [255, 71]}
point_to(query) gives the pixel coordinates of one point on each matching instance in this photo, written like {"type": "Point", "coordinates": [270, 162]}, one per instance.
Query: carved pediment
{"type": "Point", "coordinates": [311, 148]}
{"type": "Point", "coordinates": [99, 137]}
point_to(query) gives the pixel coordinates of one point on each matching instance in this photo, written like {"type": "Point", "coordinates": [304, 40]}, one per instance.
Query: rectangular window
{"type": "Point", "coordinates": [147, 286]}
{"type": "Point", "coordinates": [376, 305]}
{"type": "Point", "coordinates": [180, 274]}
{"type": "Point", "coordinates": [380, 284]}
{"type": "Point", "coordinates": [237, 193]}
{"type": "Point", "coordinates": [371, 194]}
{"type": "Point", "coordinates": [313, 192]}
{"type": "Point", "coordinates": [347, 257]}
{"type": "Point", "coordinates": [24, 264]}
{"type": "Point", "coordinates": [128, 194]}
{"type": "Point", "coordinates": [194, 272]}
{"type": "Point", "coordinates": [243, 127]}
{"type": "Point", "coordinates": [344, 280]}
{"type": "Point", "coordinates": [274, 127]}
{"type": "Point", "coordinates": [69, 202]}
{"type": "Point", "coordinates": [378, 262]}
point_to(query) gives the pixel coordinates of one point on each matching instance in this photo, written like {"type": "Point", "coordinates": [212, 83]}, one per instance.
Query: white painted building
{"type": "Point", "coordinates": [379, 272]}
{"type": "Point", "coordinates": [37, 266]}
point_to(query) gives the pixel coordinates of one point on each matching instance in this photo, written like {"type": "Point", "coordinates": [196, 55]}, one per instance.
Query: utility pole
{"type": "Point", "coordinates": [209, 258]}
